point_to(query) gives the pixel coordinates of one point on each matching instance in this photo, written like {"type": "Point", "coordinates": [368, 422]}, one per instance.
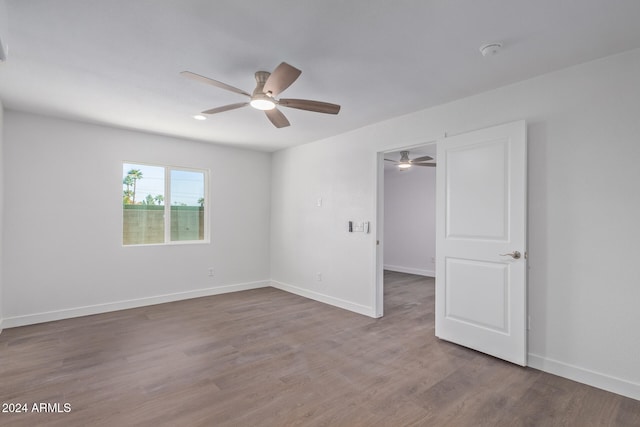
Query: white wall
{"type": "Point", "coordinates": [63, 254]}
{"type": "Point", "coordinates": [307, 239]}
{"type": "Point", "coordinates": [1, 209]}
{"type": "Point", "coordinates": [584, 205]}
{"type": "Point", "coordinates": [409, 220]}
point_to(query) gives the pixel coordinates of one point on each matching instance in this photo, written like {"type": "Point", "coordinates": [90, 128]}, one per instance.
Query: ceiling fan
{"type": "Point", "coordinates": [405, 162]}
{"type": "Point", "coordinates": [264, 96]}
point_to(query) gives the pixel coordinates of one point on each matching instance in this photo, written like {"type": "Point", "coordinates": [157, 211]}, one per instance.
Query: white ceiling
{"type": "Point", "coordinates": [116, 62]}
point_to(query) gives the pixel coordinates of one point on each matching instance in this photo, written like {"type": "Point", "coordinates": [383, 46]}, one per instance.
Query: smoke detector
{"type": "Point", "coordinates": [490, 49]}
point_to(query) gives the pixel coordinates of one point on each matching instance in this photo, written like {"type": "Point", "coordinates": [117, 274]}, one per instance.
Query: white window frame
{"type": "Point", "coordinates": [167, 205]}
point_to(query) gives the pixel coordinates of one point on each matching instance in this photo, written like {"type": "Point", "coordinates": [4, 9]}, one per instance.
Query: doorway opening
{"type": "Point", "coordinates": [406, 214]}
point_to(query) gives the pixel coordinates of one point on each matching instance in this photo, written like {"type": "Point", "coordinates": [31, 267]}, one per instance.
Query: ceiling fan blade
{"type": "Point", "coordinates": [277, 118]}
{"type": "Point", "coordinates": [306, 104]}
{"type": "Point", "coordinates": [424, 164]}
{"type": "Point", "coordinates": [207, 80]}
{"type": "Point", "coordinates": [422, 159]}
{"type": "Point", "coordinates": [281, 78]}
{"type": "Point", "coordinates": [394, 161]}
{"type": "Point", "coordinates": [226, 108]}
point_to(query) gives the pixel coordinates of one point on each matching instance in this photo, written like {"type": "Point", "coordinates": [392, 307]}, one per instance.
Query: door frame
{"type": "Point", "coordinates": [378, 296]}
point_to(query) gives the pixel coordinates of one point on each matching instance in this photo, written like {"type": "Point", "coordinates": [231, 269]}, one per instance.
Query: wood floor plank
{"type": "Point", "coordinates": [268, 358]}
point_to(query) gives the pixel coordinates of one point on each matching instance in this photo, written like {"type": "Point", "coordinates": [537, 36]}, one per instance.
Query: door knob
{"type": "Point", "coordinates": [514, 255]}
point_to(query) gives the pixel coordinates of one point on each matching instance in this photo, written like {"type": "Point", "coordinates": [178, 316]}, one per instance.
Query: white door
{"type": "Point", "coordinates": [481, 294]}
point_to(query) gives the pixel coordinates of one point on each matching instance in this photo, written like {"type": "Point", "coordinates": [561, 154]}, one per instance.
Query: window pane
{"type": "Point", "coordinates": [187, 205]}
{"type": "Point", "coordinates": [142, 204]}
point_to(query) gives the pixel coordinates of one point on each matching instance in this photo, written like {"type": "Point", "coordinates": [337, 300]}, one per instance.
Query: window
{"type": "Point", "coordinates": [162, 204]}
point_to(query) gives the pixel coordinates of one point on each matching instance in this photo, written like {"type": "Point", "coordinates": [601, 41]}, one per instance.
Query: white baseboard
{"type": "Point", "coordinates": [337, 302]}
{"type": "Point", "coordinates": [585, 376]}
{"type": "Point", "coordinates": [410, 270]}
{"type": "Point", "coordinates": [30, 319]}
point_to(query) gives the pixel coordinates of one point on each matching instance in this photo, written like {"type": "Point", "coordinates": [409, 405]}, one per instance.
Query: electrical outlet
{"type": "Point", "coordinates": [210, 272]}
{"type": "Point", "coordinates": [319, 277]}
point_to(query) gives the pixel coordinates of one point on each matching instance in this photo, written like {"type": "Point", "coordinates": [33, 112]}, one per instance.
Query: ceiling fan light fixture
{"type": "Point", "coordinates": [262, 104]}
{"type": "Point", "coordinates": [199, 117]}
{"type": "Point", "coordinates": [405, 162]}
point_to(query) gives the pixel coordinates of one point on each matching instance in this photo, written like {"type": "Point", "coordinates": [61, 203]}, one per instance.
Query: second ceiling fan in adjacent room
{"type": "Point", "coordinates": [405, 162]}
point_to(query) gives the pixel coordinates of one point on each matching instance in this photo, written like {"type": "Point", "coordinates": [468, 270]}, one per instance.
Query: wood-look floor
{"type": "Point", "coordinates": [268, 358]}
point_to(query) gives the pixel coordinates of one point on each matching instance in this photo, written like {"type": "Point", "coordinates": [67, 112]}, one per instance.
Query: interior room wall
{"type": "Point", "coordinates": [63, 206]}
{"type": "Point", "coordinates": [1, 209]}
{"type": "Point", "coordinates": [409, 220]}
{"type": "Point", "coordinates": [583, 197]}
{"type": "Point", "coordinates": [311, 242]}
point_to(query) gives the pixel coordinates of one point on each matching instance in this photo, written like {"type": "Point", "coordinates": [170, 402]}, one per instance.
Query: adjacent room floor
{"type": "Point", "coordinates": [269, 358]}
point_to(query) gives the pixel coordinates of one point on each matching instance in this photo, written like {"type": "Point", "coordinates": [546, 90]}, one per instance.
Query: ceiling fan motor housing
{"type": "Point", "coordinates": [261, 79]}
{"type": "Point", "coordinates": [260, 99]}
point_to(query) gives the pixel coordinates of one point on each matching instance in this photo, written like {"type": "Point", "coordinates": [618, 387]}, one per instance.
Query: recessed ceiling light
{"type": "Point", "coordinates": [199, 117]}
